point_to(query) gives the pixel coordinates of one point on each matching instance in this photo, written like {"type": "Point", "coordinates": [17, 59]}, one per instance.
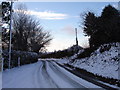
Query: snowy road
{"type": "Point", "coordinates": [43, 74]}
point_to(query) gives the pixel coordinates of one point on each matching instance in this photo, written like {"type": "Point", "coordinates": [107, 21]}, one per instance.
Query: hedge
{"type": "Point", "coordinates": [25, 58]}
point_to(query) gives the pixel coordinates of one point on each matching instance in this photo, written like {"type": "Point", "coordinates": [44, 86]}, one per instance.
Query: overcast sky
{"type": "Point", "coordinates": [61, 18]}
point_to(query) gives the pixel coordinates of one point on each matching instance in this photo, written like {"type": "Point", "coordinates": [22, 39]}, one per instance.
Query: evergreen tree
{"type": "Point", "coordinates": [102, 29]}
{"type": "Point", "coordinates": [110, 25]}
{"type": "Point", "coordinates": [109, 12]}
{"type": "Point", "coordinates": [90, 23]}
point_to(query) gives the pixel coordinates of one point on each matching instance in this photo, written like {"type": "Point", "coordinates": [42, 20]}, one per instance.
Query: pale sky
{"type": "Point", "coordinates": [61, 18]}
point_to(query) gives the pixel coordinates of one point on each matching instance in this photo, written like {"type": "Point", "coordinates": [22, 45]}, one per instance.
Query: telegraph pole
{"type": "Point", "coordinates": [119, 6]}
{"type": "Point", "coordinates": [76, 37]}
{"type": "Point", "coordinates": [10, 28]}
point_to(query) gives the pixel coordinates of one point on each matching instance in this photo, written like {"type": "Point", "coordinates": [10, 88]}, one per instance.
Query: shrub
{"type": "Point", "coordinates": [86, 53]}
{"type": "Point", "coordinates": [25, 58]}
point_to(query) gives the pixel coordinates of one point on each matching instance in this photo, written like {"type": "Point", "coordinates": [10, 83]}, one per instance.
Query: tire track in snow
{"type": "Point", "coordinates": [50, 83]}
{"type": "Point", "coordinates": [37, 80]}
{"type": "Point", "coordinates": [63, 76]}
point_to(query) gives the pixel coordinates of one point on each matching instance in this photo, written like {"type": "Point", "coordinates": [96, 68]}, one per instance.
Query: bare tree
{"type": "Point", "coordinates": [28, 34]}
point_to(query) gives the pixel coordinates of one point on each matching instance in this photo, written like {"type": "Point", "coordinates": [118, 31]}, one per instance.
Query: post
{"type": "Point", "coordinates": [2, 64]}
{"type": "Point", "coordinates": [76, 37]}
{"type": "Point", "coordinates": [18, 61]}
{"type": "Point", "coordinates": [10, 28]}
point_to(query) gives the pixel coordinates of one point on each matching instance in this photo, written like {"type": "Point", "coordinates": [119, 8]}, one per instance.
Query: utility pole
{"type": "Point", "coordinates": [76, 37]}
{"type": "Point", "coordinates": [10, 28]}
{"type": "Point", "coordinates": [119, 5]}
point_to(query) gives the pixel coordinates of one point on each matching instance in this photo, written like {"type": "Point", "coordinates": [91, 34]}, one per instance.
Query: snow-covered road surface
{"type": "Point", "coordinates": [43, 74]}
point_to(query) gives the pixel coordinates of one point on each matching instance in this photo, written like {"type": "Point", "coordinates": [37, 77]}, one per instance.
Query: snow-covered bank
{"type": "Point", "coordinates": [103, 63]}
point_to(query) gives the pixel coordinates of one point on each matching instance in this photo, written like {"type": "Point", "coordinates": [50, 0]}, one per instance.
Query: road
{"type": "Point", "coordinates": [43, 74]}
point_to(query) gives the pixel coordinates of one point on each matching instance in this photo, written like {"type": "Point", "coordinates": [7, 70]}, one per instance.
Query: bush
{"type": "Point", "coordinates": [105, 48]}
{"type": "Point", "coordinates": [86, 53]}
{"type": "Point", "coordinates": [25, 58]}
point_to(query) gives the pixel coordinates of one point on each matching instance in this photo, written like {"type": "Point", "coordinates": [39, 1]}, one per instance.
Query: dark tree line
{"type": "Point", "coordinates": [102, 29]}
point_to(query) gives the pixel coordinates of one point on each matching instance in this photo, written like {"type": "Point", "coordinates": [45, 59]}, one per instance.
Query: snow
{"type": "Point", "coordinates": [43, 74]}
{"type": "Point", "coordinates": [48, 59]}
{"type": "Point", "coordinates": [102, 64]}
{"type": "Point", "coordinates": [47, 74]}
{"type": "Point", "coordinates": [0, 80]}
{"type": "Point", "coordinates": [113, 86]}
{"type": "Point", "coordinates": [22, 77]}
{"type": "Point", "coordinates": [61, 61]}
{"type": "Point", "coordinates": [75, 56]}
{"type": "Point", "coordinates": [75, 78]}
